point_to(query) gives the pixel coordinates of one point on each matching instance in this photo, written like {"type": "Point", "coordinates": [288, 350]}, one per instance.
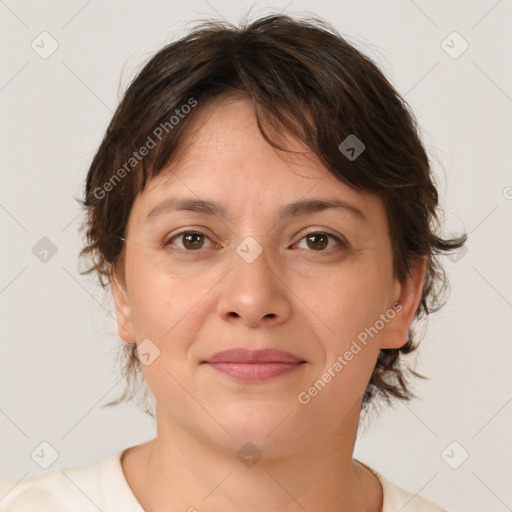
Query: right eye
{"type": "Point", "coordinates": [191, 241]}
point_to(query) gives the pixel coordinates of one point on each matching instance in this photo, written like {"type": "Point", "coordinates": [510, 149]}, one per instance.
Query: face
{"type": "Point", "coordinates": [255, 273]}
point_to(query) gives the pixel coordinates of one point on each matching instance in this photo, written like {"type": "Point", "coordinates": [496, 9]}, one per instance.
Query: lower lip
{"type": "Point", "coordinates": [254, 372]}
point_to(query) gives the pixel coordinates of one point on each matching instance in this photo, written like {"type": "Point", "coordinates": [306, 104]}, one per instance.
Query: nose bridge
{"type": "Point", "coordinates": [253, 290]}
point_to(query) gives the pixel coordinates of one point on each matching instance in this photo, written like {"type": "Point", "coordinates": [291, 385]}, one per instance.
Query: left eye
{"type": "Point", "coordinates": [320, 240]}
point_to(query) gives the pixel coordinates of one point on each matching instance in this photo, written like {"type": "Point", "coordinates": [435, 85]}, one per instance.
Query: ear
{"type": "Point", "coordinates": [123, 308]}
{"type": "Point", "coordinates": [407, 299]}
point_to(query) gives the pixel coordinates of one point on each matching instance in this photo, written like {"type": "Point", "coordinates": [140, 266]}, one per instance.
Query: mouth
{"type": "Point", "coordinates": [254, 365]}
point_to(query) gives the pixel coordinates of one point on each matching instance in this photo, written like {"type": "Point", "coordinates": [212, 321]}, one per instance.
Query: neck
{"type": "Point", "coordinates": [179, 471]}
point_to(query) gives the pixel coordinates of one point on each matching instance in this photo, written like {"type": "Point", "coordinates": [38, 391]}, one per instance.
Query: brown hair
{"type": "Point", "coordinates": [307, 80]}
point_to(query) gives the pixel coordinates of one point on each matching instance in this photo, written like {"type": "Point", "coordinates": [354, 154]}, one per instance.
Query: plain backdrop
{"type": "Point", "coordinates": [58, 336]}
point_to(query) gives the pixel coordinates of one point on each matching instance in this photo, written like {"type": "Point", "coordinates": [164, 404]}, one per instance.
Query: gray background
{"type": "Point", "coordinates": [58, 337]}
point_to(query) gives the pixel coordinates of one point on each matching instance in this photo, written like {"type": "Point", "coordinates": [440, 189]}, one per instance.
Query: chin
{"type": "Point", "coordinates": [266, 425]}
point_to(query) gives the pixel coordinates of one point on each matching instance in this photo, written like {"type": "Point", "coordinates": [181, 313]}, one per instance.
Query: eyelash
{"type": "Point", "coordinates": [341, 241]}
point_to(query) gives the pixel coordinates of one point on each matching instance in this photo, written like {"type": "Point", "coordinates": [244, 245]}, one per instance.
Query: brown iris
{"type": "Point", "coordinates": [193, 240]}
{"type": "Point", "coordinates": [317, 245]}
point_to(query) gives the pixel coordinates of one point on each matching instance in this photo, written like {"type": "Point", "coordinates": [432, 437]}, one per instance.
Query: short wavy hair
{"type": "Point", "coordinates": [306, 80]}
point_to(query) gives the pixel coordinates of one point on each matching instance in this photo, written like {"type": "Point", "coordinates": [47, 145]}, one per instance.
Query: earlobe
{"type": "Point", "coordinates": [396, 333]}
{"type": "Point", "coordinates": [123, 309]}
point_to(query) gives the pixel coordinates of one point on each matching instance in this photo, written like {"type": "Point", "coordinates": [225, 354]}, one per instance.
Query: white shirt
{"type": "Point", "coordinates": [102, 486]}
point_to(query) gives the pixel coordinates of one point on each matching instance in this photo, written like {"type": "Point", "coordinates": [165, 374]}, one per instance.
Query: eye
{"type": "Point", "coordinates": [191, 240]}
{"type": "Point", "coordinates": [319, 240]}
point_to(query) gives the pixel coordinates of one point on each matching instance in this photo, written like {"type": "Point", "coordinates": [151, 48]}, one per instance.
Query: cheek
{"type": "Point", "coordinates": [351, 301]}
{"type": "Point", "coordinates": [169, 310]}
{"type": "Point", "coordinates": [349, 304]}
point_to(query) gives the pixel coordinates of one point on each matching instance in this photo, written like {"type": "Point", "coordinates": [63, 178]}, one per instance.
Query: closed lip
{"type": "Point", "coordinates": [253, 356]}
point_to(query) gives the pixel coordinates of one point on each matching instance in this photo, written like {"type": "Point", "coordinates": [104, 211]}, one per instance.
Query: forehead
{"type": "Point", "coordinates": [224, 138]}
{"type": "Point", "coordinates": [225, 158]}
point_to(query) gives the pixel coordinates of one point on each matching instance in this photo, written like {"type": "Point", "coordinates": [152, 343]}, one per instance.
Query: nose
{"type": "Point", "coordinates": [254, 293]}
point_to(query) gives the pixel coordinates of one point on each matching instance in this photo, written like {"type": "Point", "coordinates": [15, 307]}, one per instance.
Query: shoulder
{"type": "Point", "coordinates": [395, 498]}
{"type": "Point", "coordinates": [86, 488]}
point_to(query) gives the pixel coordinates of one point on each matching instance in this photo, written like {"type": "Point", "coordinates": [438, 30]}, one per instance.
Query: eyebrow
{"type": "Point", "coordinates": [301, 207]}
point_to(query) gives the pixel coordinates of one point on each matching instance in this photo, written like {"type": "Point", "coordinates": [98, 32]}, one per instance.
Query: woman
{"type": "Point", "coordinates": [263, 210]}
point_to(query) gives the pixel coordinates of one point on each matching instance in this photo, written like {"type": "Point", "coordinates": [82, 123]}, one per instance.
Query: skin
{"type": "Point", "coordinates": [310, 301]}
